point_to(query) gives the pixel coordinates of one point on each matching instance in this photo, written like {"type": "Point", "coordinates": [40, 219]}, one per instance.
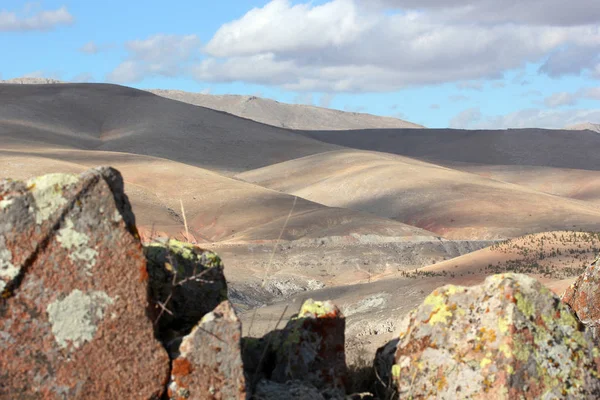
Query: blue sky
{"type": "Point", "coordinates": [458, 63]}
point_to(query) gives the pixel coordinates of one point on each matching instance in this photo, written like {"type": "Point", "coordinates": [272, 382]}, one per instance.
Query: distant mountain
{"type": "Point", "coordinates": [291, 116]}
{"type": "Point", "coordinates": [585, 125]}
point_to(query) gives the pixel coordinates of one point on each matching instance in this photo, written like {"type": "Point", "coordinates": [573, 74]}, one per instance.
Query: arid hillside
{"type": "Point", "coordinates": [372, 219]}
{"type": "Point", "coordinates": [291, 116]}
{"type": "Point", "coordinates": [451, 203]}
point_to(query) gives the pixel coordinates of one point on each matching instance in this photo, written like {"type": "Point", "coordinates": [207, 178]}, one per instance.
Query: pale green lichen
{"type": "Point", "coordinates": [5, 203]}
{"type": "Point", "coordinates": [77, 245]}
{"type": "Point", "coordinates": [47, 193]}
{"type": "Point", "coordinates": [74, 319]}
{"type": "Point", "coordinates": [8, 271]}
{"type": "Point", "coordinates": [524, 305]}
{"type": "Point", "coordinates": [188, 252]}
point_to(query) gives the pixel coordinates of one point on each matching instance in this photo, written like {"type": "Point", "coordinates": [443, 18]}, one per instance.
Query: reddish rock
{"type": "Point", "coordinates": [73, 318]}
{"type": "Point", "coordinates": [584, 298]}
{"type": "Point", "coordinates": [311, 347]}
{"type": "Point", "coordinates": [509, 338]}
{"type": "Point", "coordinates": [186, 282]}
{"type": "Point", "coordinates": [209, 365]}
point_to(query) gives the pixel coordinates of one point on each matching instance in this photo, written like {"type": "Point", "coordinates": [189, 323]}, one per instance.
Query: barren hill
{"type": "Point", "coordinates": [117, 118]}
{"type": "Point", "coordinates": [451, 203]}
{"type": "Point", "coordinates": [585, 126]}
{"type": "Point", "coordinates": [539, 147]}
{"type": "Point", "coordinates": [291, 116]}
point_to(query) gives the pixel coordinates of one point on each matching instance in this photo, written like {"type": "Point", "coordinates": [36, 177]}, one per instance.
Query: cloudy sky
{"type": "Point", "coordinates": [456, 63]}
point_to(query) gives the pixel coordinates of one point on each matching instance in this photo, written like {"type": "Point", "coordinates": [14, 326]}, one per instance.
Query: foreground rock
{"type": "Point", "coordinates": [186, 282]}
{"type": "Point", "coordinates": [210, 363]}
{"type": "Point", "coordinates": [584, 297]}
{"type": "Point", "coordinates": [507, 338]}
{"type": "Point", "coordinates": [310, 350]}
{"type": "Point", "coordinates": [73, 318]}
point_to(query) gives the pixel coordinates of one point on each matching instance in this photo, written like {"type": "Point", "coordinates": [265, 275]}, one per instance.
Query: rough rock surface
{"type": "Point", "coordinates": [73, 318]}
{"type": "Point", "coordinates": [309, 349]}
{"type": "Point", "coordinates": [384, 360]}
{"type": "Point", "coordinates": [584, 298]}
{"type": "Point", "coordinates": [210, 363]}
{"type": "Point", "coordinates": [507, 338]}
{"type": "Point", "coordinates": [186, 282]}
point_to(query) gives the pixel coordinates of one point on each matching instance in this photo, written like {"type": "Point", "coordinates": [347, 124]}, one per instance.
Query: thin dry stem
{"type": "Point", "coordinates": [264, 353]}
{"type": "Point", "coordinates": [187, 232]}
{"type": "Point", "coordinates": [277, 242]}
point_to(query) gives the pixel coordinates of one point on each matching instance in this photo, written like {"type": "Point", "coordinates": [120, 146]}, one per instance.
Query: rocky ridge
{"type": "Point", "coordinates": [87, 311]}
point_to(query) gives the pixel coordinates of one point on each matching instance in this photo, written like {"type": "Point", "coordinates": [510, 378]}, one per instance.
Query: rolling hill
{"type": "Point", "coordinates": [451, 203]}
{"type": "Point", "coordinates": [116, 118]}
{"type": "Point", "coordinates": [290, 116]}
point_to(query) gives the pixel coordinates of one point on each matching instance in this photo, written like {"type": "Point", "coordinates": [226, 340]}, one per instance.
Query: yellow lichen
{"type": "Point", "coordinates": [440, 310]}
{"type": "Point", "coordinates": [396, 370]}
{"type": "Point", "coordinates": [503, 324]}
{"type": "Point", "coordinates": [484, 362]}
{"type": "Point", "coordinates": [505, 349]}
{"type": "Point", "coordinates": [316, 308]}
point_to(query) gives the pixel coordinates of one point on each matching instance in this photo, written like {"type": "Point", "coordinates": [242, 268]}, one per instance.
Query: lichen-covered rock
{"type": "Point", "coordinates": [209, 365]}
{"type": "Point", "coordinates": [311, 347]}
{"type": "Point", "coordinates": [382, 365]}
{"type": "Point", "coordinates": [507, 338]}
{"type": "Point", "coordinates": [73, 318]}
{"type": "Point", "coordinates": [584, 298]}
{"type": "Point", "coordinates": [186, 282]}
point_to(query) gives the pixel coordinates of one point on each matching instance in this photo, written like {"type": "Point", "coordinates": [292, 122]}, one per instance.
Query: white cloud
{"type": "Point", "coordinates": [41, 21]}
{"type": "Point", "coordinates": [466, 118]}
{"type": "Point", "coordinates": [560, 99]}
{"type": "Point", "coordinates": [571, 99]}
{"type": "Point", "coordinates": [282, 27]}
{"type": "Point", "coordinates": [542, 12]}
{"type": "Point", "coordinates": [354, 46]}
{"type": "Point", "coordinates": [166, 55]}
{"type": "Point", "coordinates": [538, 118]}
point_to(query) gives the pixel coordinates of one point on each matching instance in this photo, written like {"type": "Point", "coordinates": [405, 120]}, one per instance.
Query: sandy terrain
{"type": "Point", "coordinates": [572, 183]}
{"type": "Point", "coordinates": [291, 116]}
{"type": "Point", "coordinates": [451, 203]}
